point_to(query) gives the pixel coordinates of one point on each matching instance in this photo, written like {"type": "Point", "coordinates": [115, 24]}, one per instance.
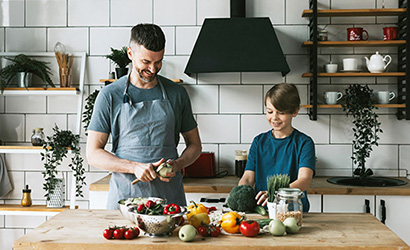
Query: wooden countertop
{"type": "Point", "coordinates": [82, 229]}
{"type": "Point", "coordinates": [319, 185]}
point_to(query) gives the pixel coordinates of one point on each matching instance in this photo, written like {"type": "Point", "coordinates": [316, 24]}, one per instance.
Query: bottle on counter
{"type": "Point", "coordinates": [241, 156]}
{"type": "Point", "coordinates": [37, 139]}
{"type": "Point", "coordinates": [26, 200]}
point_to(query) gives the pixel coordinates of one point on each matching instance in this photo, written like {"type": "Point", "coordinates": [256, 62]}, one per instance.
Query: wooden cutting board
{"type": "Point", "coordinates": [82, 229]}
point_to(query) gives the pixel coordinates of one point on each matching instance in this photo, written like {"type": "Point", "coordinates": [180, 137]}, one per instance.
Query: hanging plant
{"type": "Point", "coordinates": [88, 109]}
{"type": "Point", "coordinates": [56, 148]}
{"type": "Point", "coordinates": [359, 104]}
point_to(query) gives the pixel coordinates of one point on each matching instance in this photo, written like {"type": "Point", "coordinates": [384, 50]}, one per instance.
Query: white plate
{"type": "Point", "coordinates": [352, 70]}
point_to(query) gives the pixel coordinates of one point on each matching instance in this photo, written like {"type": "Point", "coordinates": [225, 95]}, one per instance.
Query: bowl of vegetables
{"type": "Point", "coordinates": [126, 204]}
{"type": "Point", "coordinates": [157, 219]}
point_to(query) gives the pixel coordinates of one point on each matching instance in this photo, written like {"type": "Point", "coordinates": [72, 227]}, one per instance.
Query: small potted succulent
{"type": "Point", "coordinates": [120, 58]}
{"type": "Point", "coordinates": [23, 68]}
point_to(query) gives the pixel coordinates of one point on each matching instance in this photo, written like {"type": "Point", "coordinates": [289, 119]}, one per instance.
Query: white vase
{"type": "Point", "coordinates": [272, 210]}
{"type": "Point", "coordinates": [57, 195]}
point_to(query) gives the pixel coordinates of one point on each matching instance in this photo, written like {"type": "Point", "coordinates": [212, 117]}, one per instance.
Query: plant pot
{"type": "Point", "coordinates": [121, 72]}
{"type": "Point", "coordinates": [57, 195]}
{"type": "Point", "coordinates": [272, 210]}
{"type": "Point", "coordinates": [24, 79]}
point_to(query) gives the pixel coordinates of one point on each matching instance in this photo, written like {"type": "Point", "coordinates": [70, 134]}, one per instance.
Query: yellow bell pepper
{"type": "Point", "coordinates": [231, 222]}
{"type": "Point", "coordinates": [196, 209]}
{"type": "Point", "coordinates": [199, 219]}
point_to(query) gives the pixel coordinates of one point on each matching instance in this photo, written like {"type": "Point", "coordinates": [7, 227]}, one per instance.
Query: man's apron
{"type": "Point", "coordinates": [146, 135]}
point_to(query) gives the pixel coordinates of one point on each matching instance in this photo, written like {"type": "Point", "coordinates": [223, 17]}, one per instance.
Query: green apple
{"type": "Point", "coordinates": [292, 225]}
{"type": "Point", "coordinates": [164, 169]}
{"type": "Point", "coordinates": [276, 227]}
{"type": "Point", "coordinates": [187, 233]}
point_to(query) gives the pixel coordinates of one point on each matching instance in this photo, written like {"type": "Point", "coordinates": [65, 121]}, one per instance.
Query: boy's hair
{"type": "Point", "coordinates": [148, 35]}
{"type": "Point", "coordinates": [284, 97]}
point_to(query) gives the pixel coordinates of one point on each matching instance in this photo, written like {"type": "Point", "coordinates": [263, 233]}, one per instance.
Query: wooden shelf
{"type": "Point", "coordinates": [374, 43]}
{"type": "Point", "coordinates": [358, 74]}
{"type": "Point", "coordinates": [340, 106]}
{"type": "Point", "coordinates": [355, 12]}
{"type": "Point", "coordinates": [23, 149]}
{"type": "Point", "coordinates": [17, 209]}
{"type": "Point", "coordinates": [113, 80]}
{"type": "Point", "coordinates": [40, 91]}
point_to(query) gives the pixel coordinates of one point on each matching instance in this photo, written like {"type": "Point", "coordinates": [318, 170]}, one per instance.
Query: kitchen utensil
{"type": "Point", "coordinates": [356, 34]}
{"type": "Point", "coordinates": [384, 97]}
{"type": "Point", "coordinates": [331, 68]}
{"type": "Point", "coordinates": [204, 166]}
{"type": "Point", "coordinates": [377, 63]}
{"type": "Point", "coordinates": [157, 225]}
{"type": "Point", "coordinates": [390, 33]}
{"type": "Point", "coordinates": [350, 64]}
{"type": "Point", "coordinates": [331, 97]}
{"type": "Point", "coordinates": [126, 204]}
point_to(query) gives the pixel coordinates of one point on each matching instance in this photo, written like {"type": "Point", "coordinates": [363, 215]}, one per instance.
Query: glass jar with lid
{"type": "Point", "coordinates": [322, 35]}
{"type": "Point", "coordinates": [37, 139]}
{"type": "Point", "coordinates": [241, 156]}
{"type": "Point", "coordinates": [289, 204]}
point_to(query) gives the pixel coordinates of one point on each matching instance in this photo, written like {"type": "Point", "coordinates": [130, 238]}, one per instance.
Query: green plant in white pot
{"type": "Point", "coordinates": [56, 149]}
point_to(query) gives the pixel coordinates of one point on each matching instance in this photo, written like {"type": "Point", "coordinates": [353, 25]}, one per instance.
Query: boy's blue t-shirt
{"type": "Point", "coordinates": [269, 156]}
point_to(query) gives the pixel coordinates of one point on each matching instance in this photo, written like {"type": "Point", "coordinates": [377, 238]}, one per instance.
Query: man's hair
{"type": "Point", "coordinates": [148, 35]}
{"type": "Point", "coordinates": [284, 97]}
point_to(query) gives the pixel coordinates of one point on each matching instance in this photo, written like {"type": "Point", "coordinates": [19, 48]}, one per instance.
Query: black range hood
{"type": "Point", "coordinates": [237, 44]}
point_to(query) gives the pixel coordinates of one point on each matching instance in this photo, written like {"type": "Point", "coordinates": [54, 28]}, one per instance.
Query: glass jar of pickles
{"type": "Point", "coordinates": [37, 139]}
{"type": "Point", "coordinates": [289, 204]}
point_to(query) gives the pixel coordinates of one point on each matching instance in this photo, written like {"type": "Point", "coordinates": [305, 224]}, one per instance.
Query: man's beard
{"type": "Point", "coordinates": [147, 80]}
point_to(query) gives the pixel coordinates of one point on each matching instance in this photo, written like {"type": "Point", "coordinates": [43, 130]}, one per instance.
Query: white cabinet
{"type": "Point", "coordinates": [397, 214]}
{"type": "Point", "coordinates": [348, 203]}
{"type": "Point", "coordinates": [315, 201]}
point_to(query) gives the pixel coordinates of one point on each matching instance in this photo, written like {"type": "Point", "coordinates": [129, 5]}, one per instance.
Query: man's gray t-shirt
{"type": "Point", "coordinates": [105, 117]}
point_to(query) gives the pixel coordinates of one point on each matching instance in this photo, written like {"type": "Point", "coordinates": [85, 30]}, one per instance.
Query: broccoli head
{"type": "Point", "coordinates": [242, 198]}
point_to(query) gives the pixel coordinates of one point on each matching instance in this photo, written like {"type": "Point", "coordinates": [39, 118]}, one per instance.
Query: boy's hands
{"type": "Point", "coordinates": [262, 198]}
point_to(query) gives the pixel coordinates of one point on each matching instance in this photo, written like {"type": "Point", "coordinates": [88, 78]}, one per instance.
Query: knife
{"type": "Point", "coordinates": [156, 170]}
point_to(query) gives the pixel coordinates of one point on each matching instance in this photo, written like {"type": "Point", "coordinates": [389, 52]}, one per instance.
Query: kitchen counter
{"type": "Point", "coordinates": [319, 185]}
{"type": "Point", "coordinates": [82, 229]}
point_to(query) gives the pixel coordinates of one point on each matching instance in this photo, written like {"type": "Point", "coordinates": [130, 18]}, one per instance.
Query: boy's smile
{"type": "Point", "coordinates": [279, 121]}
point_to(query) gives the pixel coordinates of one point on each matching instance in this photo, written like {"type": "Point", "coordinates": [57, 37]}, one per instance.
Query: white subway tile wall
{"type": "Point", "coordinates": [228, 107]}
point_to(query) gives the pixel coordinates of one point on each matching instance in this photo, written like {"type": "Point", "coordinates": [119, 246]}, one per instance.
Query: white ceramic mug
{"type": "Point", "coordinates": [331, 97]}
{"type": "Point", "coordinates": [350, 64]}
{"type": "Point", "coordinates": [384, 97]}
{"type": "Point", "coordinates": [331, 68]}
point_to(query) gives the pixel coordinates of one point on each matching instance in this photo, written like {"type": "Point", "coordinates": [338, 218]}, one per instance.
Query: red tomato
{"type": "Point", "coordinates": [214, 231]}
{"type": "Point", "coordinates": [202, 230]}
{"type": "Point", "coordinates": [107, 233]}
{"type": "Point", "coordinates": [136, 231]}
{"type": "Point", "coordinates": [129, 234]}
{"type": "Point", "coordinates": [249, 228]}
{"type": "Point", "coordinates": [119, 233]}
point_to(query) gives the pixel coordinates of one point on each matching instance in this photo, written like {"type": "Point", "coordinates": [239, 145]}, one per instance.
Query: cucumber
{"type": "Point", "coordinates": [260, 210]}
{"type": "Point", "coordinates": [263, 222]}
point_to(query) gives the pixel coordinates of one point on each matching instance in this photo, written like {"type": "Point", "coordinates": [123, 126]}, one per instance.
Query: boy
{"type": "Point", "coordinates": [281, 150]}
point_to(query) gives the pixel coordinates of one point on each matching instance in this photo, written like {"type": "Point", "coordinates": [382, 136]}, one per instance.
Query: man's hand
{"type": "Point", "coordinates": [169, 175]}
{"type": "Point", "coordinates": [146, 171]}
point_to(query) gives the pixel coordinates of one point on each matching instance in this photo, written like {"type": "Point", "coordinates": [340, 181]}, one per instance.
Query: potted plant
{"type": "Point", "coordinates": [120, 58]}
{"type": "Point", "coordinates": [56, 148]}
{"type": "Point", "coordinates": [23, 68]}
{"type": "Point", "coordinates": [88, 109]}
{"type": "Point", "coordinates": [359, 104]}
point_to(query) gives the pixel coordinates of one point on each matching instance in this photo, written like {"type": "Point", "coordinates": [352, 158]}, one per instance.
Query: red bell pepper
{"type": "Point", "coordinates": [172, 209]}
